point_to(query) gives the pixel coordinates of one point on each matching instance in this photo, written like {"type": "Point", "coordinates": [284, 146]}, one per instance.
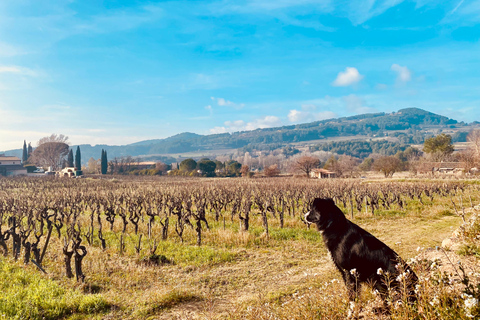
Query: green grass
{"type": "Point", "coordinates": [26, 294]}
{"type": "Point", "coordinates": [165, 301]}
{"type": "Point", "coordinates": [192, 255]}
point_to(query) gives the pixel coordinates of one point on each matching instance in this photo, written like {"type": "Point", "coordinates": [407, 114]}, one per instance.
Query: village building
{"type": "Point", "coordinates": [67, 172]}
{"type": "Point", "coordinates": [145, 165]}
{"type": "Point", "coordinates": [11, 166]}
{"type": "Point", "coordinates": [322, 174]}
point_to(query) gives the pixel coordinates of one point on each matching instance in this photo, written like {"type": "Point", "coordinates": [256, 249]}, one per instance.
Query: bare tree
{"type": "Point", "coordinates": [387, 165]}
{"type": "Point", "coordinates": [51, 151]}
{"type": "Point", "coordinates": [271, 171]}
{"type": "Point", "coordinates": [244, 170]}
{"type": "Point", "coordinates": [53, 138]}
{"type": "Point", "coordinates": [474, 139]}
{"type": "Point", "coordinates": [305, 164]}
{"type": "Point", "coordinates": [347, 166]}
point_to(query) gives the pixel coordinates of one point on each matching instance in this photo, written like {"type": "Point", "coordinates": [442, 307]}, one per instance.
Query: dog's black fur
{"type": "Point", "coordinates": [352, 247]}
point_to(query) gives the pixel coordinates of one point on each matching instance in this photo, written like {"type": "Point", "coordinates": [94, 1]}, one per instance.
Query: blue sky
{"type": "Point", "coordinates": [117, 72]}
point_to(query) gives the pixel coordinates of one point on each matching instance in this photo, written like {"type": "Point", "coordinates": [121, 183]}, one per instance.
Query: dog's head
{"type": "Point", "coordinates": [322, 212]}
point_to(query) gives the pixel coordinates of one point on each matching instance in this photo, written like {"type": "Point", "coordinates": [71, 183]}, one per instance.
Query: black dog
{"type": "Point", "coordinates": [358, 255]}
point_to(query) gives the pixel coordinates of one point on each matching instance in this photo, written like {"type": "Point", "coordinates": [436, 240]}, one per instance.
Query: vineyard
{"type": "Point", "coordinates": [199, 248]}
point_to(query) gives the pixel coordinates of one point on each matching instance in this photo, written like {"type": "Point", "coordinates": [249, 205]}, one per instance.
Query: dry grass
{"type": "Point", "coordinates": [248, 275]}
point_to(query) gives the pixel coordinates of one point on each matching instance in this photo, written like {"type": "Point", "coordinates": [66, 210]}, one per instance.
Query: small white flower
{"type": "Point", "coordinates": [417, 288]}
{"type": "Point", "coordinates": [434, 301]}
{"type": "Point", "coordinates": [379, 271]}
{"type": "Point", "coordinates": [401, 276]}
{"type": "Point", "coordinates": [470, 303]}
{"type": "Point", "coordinates": [398, 304]}
{"type": "Point", "coordinates": [353, 272]}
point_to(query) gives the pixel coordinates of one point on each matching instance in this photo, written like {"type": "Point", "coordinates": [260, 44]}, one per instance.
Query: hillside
{"type": "Point", "coordinates": [407, 126]}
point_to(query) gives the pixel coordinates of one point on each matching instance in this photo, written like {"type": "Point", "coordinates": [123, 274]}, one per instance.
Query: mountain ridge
{"type": "Point", "coordinates": [408, 125]}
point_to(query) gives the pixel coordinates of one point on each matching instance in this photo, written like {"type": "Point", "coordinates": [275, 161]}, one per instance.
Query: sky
{"type": "Point", "coordinates": [118, 72]}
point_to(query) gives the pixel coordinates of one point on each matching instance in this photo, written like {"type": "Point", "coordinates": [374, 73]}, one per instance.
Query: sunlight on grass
{"type": "Point", "coordinates": [27, 295]}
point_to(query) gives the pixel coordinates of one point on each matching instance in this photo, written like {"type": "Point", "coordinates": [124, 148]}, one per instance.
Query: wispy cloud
{"type": "Point", "coordinates": [356, 104]}
{"type": "Point", "coordinates": [226, 103]}
{"type": "Point", "coordinates": [403, 73]}
{"type": "Point", "coordinates": [240, 125]}
{"type": "Point", "coordinates": [17, 70]}
{"type": "Point", "coordinates": [120, 20]}
{"type": "Point", "coordinates": [348, 77]}
{"type": "Point", "coordinates": [456, 7]}
{"type": "Point", "coordinates": [360, 11]}
{"type": "Point", "coordinates": [8, 50]}
{"type": "Point", "coordinates": [298, 116]}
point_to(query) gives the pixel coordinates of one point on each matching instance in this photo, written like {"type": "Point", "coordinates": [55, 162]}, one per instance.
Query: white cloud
{"type": "Point", "coordinates": [348, 77]}
{"type": "Point", "coordinates": [17, 70]}
{"type": "Point", "coordinates": [360, 11]}
{"type": "Point", "coordinates": [356, 104]}
{"type": "Point", "coordinates": [226, 103]}
{"type": "Point", "coordinates": [210, 109]}
{"type": "Point", "coordinates": [403, 74]}
{"type": "Point", "coordinates": [240, 125]}
{"type": "Point", "coordinates": [298, 116]}
{"type": "Point", "coordinates": [456, 7]}
{"type": "Point", "coordinates": [7, 50]}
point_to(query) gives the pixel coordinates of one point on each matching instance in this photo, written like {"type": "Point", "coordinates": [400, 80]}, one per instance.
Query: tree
{"type": "Point", "coordinates": [245, 170]}
{"type": "Point", "coordinates": [53, 138]}
{"type": "Point", "coordinates": [347, 166]}
{"type": "Point", "coordinates": [25, 152]}
{"type": "Point", "coordinates": [439, 147]}
{"type": "Point", "coordinates": [271, 171]}
{"type": "Point", "coordinates": [93, 166]}
{"type": "Point", "coordinates": [207, 167]}
{"type": "Point", "coordinates": [331, 163]}
{"type": "Point", "coordinates": [162, 168]}
{"type": "Point", "coordinates": [51, 151]}
{"type": "Point", "coordinates": [305, 164]}
{"type": "Point", "coordinates": [78, 159]}
{"type": "Point", "coordinates": [366, 165]}
{"type": "Point", "coordinates": [474, 139]}
{"type": "Point", "coordinates": [188, 165]}
{"type": "Point", "coordinates": [233, 167]}
{"type": "Point", "coordinates": [104, 162]}
{"type": "Point", "coordinates": [30, 150]}
{"type": "Point", "coordinates": [70, 162]}
{"type": "Point", "coordinates": [219, 165]}
{"type": "Point", "coordinates": [387, 165]}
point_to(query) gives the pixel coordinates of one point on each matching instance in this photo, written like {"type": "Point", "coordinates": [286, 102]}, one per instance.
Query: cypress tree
{"type": "Point", "coordinates": [104, 162]}
{"type": "Point", "coordinates": [25, 152]}
{"type": "Point", "coordinates": [70, 159]}
{"type": "Point", "coordinates": [30, 150]}
{"type": "Point", "coordinates": [78, 159]}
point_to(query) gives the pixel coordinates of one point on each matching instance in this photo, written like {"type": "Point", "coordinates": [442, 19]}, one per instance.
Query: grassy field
{"type": "Point", "coordinates": [235, 274]}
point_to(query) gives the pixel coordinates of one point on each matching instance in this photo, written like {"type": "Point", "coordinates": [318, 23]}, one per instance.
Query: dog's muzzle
{"type": "Point", "coordinates": [306, 216]}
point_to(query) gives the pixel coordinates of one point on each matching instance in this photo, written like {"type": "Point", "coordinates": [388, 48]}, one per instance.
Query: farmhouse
{"type": "Point", "coordinates": [442, 167]}
{"type": "Point", "coordinates": [145, 165]}
{"type": "Point", "coordinates": [322, 174]}
{"type": "Point", "coordinates": [11, 166]}
{"type": "Point", "coordinates": [67, 172]}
